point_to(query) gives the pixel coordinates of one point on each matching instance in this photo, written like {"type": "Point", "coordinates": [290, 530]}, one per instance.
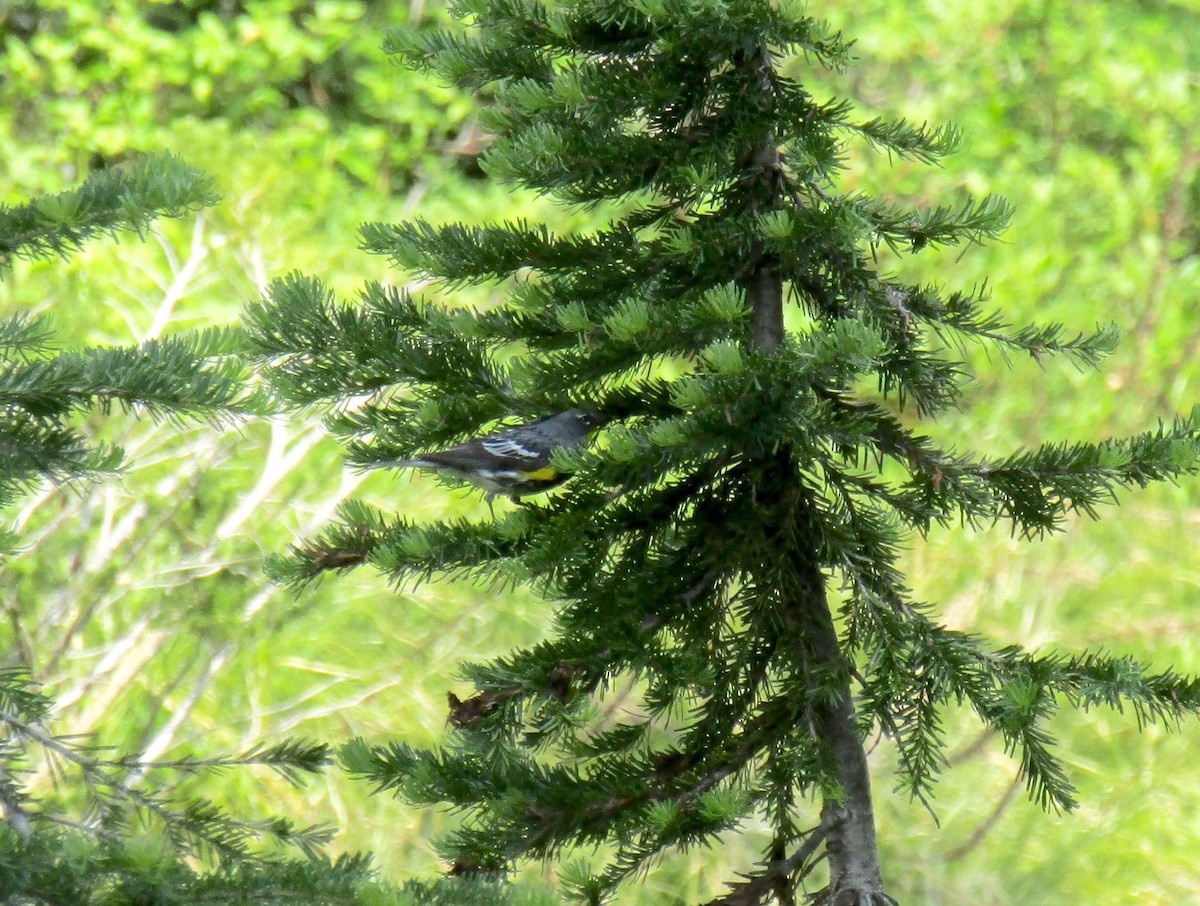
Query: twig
{"type": "Point", "coordinates": [756, 889]}
{"type": "Point", "coordinates": [888, 726]}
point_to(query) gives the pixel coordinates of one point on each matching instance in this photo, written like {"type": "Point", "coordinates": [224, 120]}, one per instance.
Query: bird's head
{"type": "Point", "coordinates": [588, 419]}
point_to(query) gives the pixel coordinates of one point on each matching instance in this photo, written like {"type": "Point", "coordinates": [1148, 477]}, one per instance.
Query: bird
{"type": "Point", "coordinates": [515, 462]}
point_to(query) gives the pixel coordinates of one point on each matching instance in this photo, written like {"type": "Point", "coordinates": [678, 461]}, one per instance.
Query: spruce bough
{"type": "Point", "coordinates": [115, 829]}
{"type": "Point", "coordinates": [729, 551]}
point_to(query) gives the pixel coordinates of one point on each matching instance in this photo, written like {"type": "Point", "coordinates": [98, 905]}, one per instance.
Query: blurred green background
{"type": "Point", "coordinates": [141, 604]}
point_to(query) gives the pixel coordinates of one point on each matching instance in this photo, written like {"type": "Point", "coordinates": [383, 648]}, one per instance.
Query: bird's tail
{"type": "Point", "coordinates": [399, 464]}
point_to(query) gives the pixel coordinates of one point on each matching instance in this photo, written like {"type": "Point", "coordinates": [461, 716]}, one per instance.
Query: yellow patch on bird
{"type": "Point", "coordinates": [549, 473]}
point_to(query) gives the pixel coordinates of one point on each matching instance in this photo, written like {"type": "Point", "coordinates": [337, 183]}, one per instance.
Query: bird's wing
{"type": "Point", "coordinates": [511, 446]}
{"type": "Point", "coordinates": [497, 454]}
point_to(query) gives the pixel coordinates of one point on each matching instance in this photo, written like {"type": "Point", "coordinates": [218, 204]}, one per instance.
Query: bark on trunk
{"type": "Point", "coordinates": [765, 291]}
{"type": "Point", "coordinates": [851, 846]}
{"type": "Point", "coordinates": [854, 874]}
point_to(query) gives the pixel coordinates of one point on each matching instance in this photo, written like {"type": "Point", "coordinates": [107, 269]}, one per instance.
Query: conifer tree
{"type": "Point", "coordinates": [730, 544]}
{"type": "Point", "coordinates": [43, 389]}
{"type": "Point", "coordinates": [114, 831]}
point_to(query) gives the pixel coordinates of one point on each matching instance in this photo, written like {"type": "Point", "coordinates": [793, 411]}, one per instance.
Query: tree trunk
{"type": "Point", "coordinates": [854, 875]}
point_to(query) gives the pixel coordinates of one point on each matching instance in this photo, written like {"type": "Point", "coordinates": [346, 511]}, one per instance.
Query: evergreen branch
{"type": "Point", "coordinates": [402, 549]}
{"type": "Point", "coordinates": [972, 221]}
{"type": "Point", "coordinates": [34, 449]}
{"type": "Point", "coordinates": [960, 316]}
{"type": "Point", "coordinates": [189, 375]}
{"type": "Point", "coordinates": [664, 826]}
{"type": "Point", "coordinates": [593, 803]}
{"type": "Point", "coordinates": [24, 336]}
{"type": "Point", "coordinates": [107, 203]}
{"type": "Point", "coordinates": [469, 63]}
{"type": "Point", "coordinates": [1097, 679]}
{"type": "Point", "coordinates": [908, 505]}
{"type": "Point", "coordinates": [913, 658]}
{"type": "Point", "coordinates": [923, 143]}
{"type": "Point", "coordinates": [470, 885]}
{"type": "Point", "coordinates": [61, 868]}
{"type": "Point", "coordinates": [457, 549]}
{"type": "Point", "coordinates": [1010, 693]}
{"type": "Point", "coordinates": [779, 877]}
{"type": "Point", "coordinates": [194, 375]}
{"type": "Point", "coordinates": [681, 782]}
{"type": "Point", "coordinates": [198, 827]}
{"type": "Point", "coordinates": [1036, 489]}
{"type": "Point", "coordinates": [458, 254]}
{"type": "Point", "coordinates": [585, 660]}
{"type": "Point", "coordinates": [560, 159]}
{"type": "Point", "coordinates": [338, 548]}
{"type": "Point", "coordinates": [19, 697]}
{"type": "Point", "coordinates": [289, 758]}
{"type": "Point", "coordinates": [914, 725]}
{"type": "Point", "coordinates": [323, 351]}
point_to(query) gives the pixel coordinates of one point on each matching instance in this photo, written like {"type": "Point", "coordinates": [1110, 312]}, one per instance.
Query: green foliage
{"type": "Point", "coordinates": [691, 552]}
{"type": "Point", "coordinates": [111, 201]}
{"type": "Point", "coordinates": [62, 866]}
{"type": "Point", "coordinates": [141, 601]}
{"type": "Point", "coordinates": [131, 838]}
{"type": "Point", "coordinates": [195, 375]}
{"type": "Point", "coordinates": [129, 835]}
{"type": "Point", "coordinates": [1081, 116]}
{"type": "Point", "coordinates": [94, 82]}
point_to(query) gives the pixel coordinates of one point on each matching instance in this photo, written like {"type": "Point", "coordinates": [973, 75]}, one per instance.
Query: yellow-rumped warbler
{"type": "Point", "coordinates": [514, 462]}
